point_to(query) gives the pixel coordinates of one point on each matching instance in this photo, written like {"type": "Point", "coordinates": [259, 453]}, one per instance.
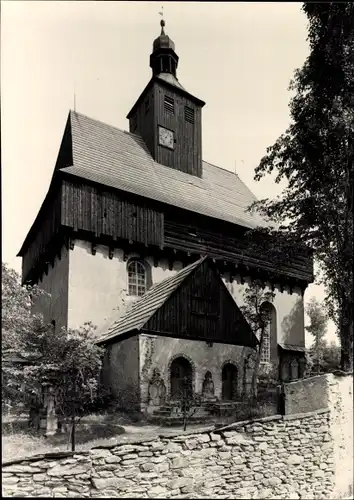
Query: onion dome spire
{"type": "Point", "coordinates": [163, 58]}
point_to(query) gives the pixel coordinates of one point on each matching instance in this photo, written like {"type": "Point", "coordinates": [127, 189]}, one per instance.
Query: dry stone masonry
{"type": "Point", "coordinates": [270, 458]}
{"type": "Point", "coordinates": [304, 456]}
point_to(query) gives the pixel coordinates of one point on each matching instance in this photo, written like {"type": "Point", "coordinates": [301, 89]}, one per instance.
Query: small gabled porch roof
{"type": "Point", "coordinates": [146, 312]}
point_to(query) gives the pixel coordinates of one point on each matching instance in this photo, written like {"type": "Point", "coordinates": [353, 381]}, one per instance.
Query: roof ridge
{"type": "Point", "coordinates": [221, 168]}
{"type": "Point", "coordinates": [72, 112]}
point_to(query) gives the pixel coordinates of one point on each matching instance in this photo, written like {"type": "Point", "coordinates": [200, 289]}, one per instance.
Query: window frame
{"type": "Point", "coordinates": [265, 353]}
{"type": "Point", "coordinates": [169, 104]}
{"type": "Point", "coordinates": [133, 278]}
{"type": "Point", "coordinates": [189, 115]}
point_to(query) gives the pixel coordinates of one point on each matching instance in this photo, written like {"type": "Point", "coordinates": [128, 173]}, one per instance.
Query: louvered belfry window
{"type": "Point", "coordinates": [136, 278]}
{"type": "Point", "coordinates": [189, 114]}
{"type": "Point", "coordinates": [169, 104]}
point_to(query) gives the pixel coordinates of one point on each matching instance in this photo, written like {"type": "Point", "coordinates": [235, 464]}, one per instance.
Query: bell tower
{"type": "Point", "coordinates": [169, 118]}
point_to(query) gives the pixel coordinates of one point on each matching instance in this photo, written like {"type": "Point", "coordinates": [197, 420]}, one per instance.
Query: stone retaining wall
{"type": "Point", "coordinates": [272, 458]}
{"type": "Point", "coordinates": [305, 456]}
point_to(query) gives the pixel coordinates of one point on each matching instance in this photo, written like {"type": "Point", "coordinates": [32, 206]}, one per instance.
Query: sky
{"type": "Point", "coordinates": [237, 57]}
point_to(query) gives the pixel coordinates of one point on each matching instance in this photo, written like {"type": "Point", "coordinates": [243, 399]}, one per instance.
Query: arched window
{"type": "Point", "coordinates": [137, 278]}
{"type": "Point", "coordinates": [265, 353]}
{"type": "Point", "coordinates": [269, 348]}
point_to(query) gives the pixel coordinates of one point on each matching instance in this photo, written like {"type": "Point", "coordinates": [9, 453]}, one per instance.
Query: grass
{"type": "Point", "coordinates": [20, 441]}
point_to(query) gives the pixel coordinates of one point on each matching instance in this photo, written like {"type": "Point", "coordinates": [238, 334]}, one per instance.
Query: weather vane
{"type": "Point", "coordinates": [162, 22]}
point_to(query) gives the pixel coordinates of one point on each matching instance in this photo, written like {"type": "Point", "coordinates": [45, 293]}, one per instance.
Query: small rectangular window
{"type": "Point", "coordinates": [169, 104]}
{"type": "Point", "coordinates": [189, 114]}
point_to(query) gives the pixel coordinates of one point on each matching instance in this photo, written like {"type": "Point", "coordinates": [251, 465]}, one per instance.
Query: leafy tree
{"type": "Point", "coordinates": [318, 329]}
{"type": "Point", "coordinates": [258, 317]}
{"type": "Point", "coordinates": [66, 361]}
{"type": "Point", "coordinates": [16, 316]}
{"type": "Point", "coordinates": [315, 156]}
{"type": "Point", "coordinates": [331, 357]}
{"type": "Point", "coordinates": [17, 322]}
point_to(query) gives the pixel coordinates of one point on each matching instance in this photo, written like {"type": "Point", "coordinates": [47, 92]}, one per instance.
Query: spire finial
{"type": "Point", "coordinates": [162, 22]}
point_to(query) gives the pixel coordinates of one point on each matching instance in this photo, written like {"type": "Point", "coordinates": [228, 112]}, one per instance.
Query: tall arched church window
{"type": "Point", "coordinates": [265, 353]}
{"type": "Point", "coordinates": [138, 278]}
{"type": "Point", "coordinates": [269, 348]}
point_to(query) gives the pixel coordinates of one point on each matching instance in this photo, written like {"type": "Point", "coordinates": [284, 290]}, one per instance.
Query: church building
{"type": "Point", "coordinates": [142, 237]}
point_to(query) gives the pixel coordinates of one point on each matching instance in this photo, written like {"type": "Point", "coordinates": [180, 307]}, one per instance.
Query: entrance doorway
{"type": "Point", "coordinates": [229, 382]}
{"type": "Point", "coordinates": [181, 378]}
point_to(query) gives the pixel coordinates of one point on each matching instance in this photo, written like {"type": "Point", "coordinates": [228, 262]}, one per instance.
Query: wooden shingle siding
{"type": "Point", "coordinates": [47, 226]}
{"type": "Point", "coordinates": [221, 245]}
{"type": "Point", "coordinates": [144, 122]}
{"type": "Point", "coordinates": [218, 318]}
{"type": "Point", "coordinates": [89, 208]}
{"type": "Point", "coordinates": [187, 153]}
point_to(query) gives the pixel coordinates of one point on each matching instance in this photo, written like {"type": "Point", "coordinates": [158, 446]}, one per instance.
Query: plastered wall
{"type": "Point", "coordinates": [289, 310]}
{"type": "Point", "coordinates": [121, 373]}
{"type": "Point", "coordinates": [340, 400]}
{"type": "Point", "coordinates": [86, 287]}
{"type": "Point", "coordinates": [159, 352]}
{"type": "Point", "coordinates": [98, 285]}
{"type": "Point", "coordinates": [54, 303]}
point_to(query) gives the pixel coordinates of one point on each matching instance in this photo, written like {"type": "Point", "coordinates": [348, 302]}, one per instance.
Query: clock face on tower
{"type": "Point", "coordinates": [166, 137]}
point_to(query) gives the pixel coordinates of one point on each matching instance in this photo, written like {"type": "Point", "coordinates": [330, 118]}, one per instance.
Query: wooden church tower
{"type": "Point", "coordinates": [127, 210]}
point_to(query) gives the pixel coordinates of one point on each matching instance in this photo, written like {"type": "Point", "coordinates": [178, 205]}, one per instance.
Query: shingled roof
{"type": "Point", "coordinates": [138, 315]}
{"type": "Point", "coordinates": [118, 159]}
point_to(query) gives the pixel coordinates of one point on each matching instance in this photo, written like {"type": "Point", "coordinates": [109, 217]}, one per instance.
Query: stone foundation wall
{"type": "Point", "coordinates": [276, 457]}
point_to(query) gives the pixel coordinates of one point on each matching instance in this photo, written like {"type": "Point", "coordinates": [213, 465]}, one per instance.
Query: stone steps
{"type": "Point", "coordinates": [207, 412]}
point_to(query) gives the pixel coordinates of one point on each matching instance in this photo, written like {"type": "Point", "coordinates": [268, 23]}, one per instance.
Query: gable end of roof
{"type": "Point", "coordinates": [145, 307]}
